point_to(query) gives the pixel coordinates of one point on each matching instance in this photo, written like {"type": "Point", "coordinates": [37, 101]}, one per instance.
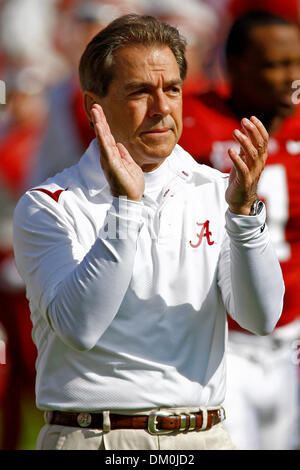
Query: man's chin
{"type": "Point", "coordinates": [155, 153]}
{"type": "Point", "coordinates": [160, 155]}
{"type": "Point", "coordinates": [284, 110]}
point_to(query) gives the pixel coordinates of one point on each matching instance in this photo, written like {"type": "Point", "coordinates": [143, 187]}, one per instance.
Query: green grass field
{"type": "Point", "coordinates": [31, 422]}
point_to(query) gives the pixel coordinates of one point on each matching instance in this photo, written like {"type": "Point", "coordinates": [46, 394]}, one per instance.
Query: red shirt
{"type": "Point", "coordinates": [208, 124]}
{"type": "Point", "coordinates": [289, 10]}
{"type": "Point", "coordinates": [18, 148]}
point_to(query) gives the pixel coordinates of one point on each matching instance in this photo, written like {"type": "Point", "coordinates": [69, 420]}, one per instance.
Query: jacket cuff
{"type": "Point", "coordinates": [241, 227]}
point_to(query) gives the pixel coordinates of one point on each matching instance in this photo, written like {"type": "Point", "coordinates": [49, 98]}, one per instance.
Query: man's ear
{"type": "Point", "coordinates": [89, 98]}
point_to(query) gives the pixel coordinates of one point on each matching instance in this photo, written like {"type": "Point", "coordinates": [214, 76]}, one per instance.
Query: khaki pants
{"type": "Point", "coordinates": [55, 437]}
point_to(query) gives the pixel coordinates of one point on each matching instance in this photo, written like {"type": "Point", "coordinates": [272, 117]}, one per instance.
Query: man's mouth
{"type": "Point", "coordinates": [286, 100]}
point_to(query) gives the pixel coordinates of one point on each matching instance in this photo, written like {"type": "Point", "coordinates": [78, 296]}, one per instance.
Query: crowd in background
{"type": "Point", "coordinates": [43, 128]}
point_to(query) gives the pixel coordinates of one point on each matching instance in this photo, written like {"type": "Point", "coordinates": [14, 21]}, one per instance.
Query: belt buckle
{"type": "Point", "coordinates": [221, 416]}
{"type": "Point", "coordinates": [152, 422]}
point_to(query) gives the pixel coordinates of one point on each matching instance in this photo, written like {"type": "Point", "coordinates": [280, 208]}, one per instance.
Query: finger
{"type": "Point", "coordinates": [260, 127]}
{"type": "Point", "coordinates": [247, 147]}
{"type": "Point", "coordinates": [101, 126]}
{"type": "Point", "coordinates": [98, 124]}
{"type": "Point", "coordinates": [255, 136]}
{"type": "Point", "coordinates": [124, 153]}
{"type": "Point", "coordinates": [239, 164]}
{"type": "Point", "coordinates": [241, 151]}
{"type": "Point", "coordinates": [109, 154]}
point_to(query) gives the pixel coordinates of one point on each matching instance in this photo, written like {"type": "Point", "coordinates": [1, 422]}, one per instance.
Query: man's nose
{"type": "Point", "coordinates": [159, 105]}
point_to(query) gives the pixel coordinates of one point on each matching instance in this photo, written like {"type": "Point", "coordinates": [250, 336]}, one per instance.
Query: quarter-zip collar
{"type": "Point", "coordinates": [178, 163]}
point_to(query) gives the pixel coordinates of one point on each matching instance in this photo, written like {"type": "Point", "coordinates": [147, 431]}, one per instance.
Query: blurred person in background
{"type": "Point", "coordinates": [77, 23]}
{"type": "Point", "coordinates": [228, 10]}
{"type": "Point", "coordinates": [26, 28]}
{"type": "Point", "coordinates": [199, 24]}
{"type": "Point", "coordinates": [289, 10]}
{"type": "Point", "coordinates": [263, 61]}
{"type": "Point", "coordinates": [28, 63]}
{"type": "Point", "coordinates": [21, 126]}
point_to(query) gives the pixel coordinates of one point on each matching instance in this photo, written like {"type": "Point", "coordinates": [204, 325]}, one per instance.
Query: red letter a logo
{"type": "Point", "coordinates": [204, 233]}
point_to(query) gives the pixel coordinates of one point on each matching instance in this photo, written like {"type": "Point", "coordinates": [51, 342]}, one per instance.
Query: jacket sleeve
{"type": "Point", "coordinates": [250, 276]}
{"type": "Point", "coordinates": [74, 290]}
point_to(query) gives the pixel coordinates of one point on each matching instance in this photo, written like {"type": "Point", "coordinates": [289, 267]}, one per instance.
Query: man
{"type": "Point", "coordinates": [263, 61]}
{"type": "Point", "coordinates": [128, 265]}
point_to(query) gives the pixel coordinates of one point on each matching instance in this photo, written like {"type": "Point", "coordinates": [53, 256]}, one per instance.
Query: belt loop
{"type": "Point", "coordinates": [204, 417]}
{"type": "Point", "coordinates": [106, 421]}
{"type": "Point", "coordinates": [222, 413]}
{"type": "Point", "coordinates": [48, 416]}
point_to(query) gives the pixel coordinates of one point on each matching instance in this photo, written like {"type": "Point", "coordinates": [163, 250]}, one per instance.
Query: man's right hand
{"type": "Point", "coordinates": [123, 174]}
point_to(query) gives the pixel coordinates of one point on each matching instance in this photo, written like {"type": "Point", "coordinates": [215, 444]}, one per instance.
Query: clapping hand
{"type": "Point", "coordinates": [123, 174]}
{"type": "Point", "coordinates": [247, 165]}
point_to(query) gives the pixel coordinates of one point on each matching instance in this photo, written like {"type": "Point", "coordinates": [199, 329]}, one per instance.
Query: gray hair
{"type": "Point", "coordinates": [96, 64]}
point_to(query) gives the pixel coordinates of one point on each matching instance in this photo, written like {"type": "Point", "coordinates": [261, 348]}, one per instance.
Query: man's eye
{"type": "Point", "coordinates": [276, 64]}
{"type": "Point", "coordinates": [138, 92]}
{"type": "Point", "coordinates": [174, 90]}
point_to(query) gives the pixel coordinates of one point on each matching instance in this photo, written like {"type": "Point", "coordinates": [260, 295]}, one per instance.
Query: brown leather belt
{"type": "Point", "coordinates": [157, 422]}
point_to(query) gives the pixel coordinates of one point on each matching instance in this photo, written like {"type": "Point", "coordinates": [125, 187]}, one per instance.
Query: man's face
{"type": "Point", "coordinates": [268, 68]}
{"type": "Point", "coordinates": [143, 105]}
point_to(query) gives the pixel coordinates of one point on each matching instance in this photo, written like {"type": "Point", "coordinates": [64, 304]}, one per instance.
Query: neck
{"type": "Point", "coordinates": [151, 166]}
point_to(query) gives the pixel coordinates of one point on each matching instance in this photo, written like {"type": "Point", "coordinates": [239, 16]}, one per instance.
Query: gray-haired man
{"type": "Point", "coordinates": [132, 259]}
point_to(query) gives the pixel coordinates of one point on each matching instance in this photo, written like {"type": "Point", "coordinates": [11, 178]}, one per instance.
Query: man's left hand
{"type": "Point", "coordinates": [247, 165]}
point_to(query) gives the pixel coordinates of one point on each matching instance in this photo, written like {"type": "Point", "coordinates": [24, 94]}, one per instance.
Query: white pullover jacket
{"type": "Point", "coordinates": [128, 299]}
